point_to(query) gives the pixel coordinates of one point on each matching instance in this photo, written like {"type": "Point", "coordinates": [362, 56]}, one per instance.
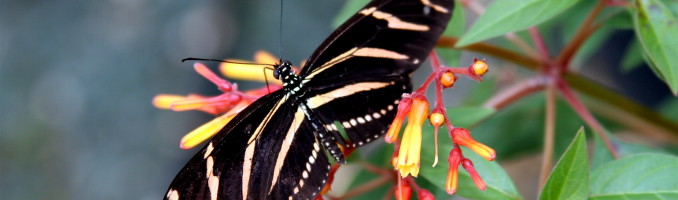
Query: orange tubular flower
{"type": "Point", "coordinates": [423, 194]}
{"type": "Point", "coordinates": [252, 72]}
{"type": "Point", "coordinates": [209, 129]}
{"type": "Point", "coordinates": [462, 137]}
{"type": "Point", "coordinates": [410, 146]}
{"type": "Point", "coordinates": [403, 109]}
{"type": "Point", "coordinates": [403, 191]}
{"type": "Point", "coordinates": [468, 166]}
{"type": "Point", "coordinates": [453, 173]}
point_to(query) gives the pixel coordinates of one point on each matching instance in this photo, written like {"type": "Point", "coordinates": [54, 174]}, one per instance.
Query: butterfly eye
{"type": "Point", "coordinates": [276, 72]}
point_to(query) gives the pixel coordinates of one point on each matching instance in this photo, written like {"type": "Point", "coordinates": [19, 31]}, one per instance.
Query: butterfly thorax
{"type": "Point", "coordinates": [291, 81]}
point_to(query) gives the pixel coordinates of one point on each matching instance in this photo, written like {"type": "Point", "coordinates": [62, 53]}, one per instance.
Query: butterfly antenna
{"type": "Point", "coordinates": [225, 61]}
{"type": "Point", "coordinates": [281, 30]}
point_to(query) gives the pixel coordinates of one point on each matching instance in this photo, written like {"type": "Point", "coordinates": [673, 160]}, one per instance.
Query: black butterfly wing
{"type": "Point", "coordinates": [267, 151]}
{"type": "Point", "coordinates": [270, 150]}
{"type": "Point", "coordinates": [358, 74]}
{"type": "Point", "coordinates": [366, 113]}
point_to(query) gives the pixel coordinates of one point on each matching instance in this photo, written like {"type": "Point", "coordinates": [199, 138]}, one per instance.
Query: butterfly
{"type": "Point", "coordinates": [280, 146]}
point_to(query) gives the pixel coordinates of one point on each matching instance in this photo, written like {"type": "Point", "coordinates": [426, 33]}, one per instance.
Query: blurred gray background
{"type": "Point", "coordinates": [77, 78]}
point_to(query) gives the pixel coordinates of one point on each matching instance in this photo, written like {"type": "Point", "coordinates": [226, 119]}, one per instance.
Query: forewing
{"type": "Point", "coordinates": [358, 75]}
{"type": "Point", "coordinates": [388, 37]}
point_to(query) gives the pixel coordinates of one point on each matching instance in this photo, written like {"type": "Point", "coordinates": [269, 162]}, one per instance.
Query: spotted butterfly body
{"type": "Point", "coordinates": [280, 146]}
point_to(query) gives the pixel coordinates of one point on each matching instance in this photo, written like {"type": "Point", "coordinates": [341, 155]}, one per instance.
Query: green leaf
{"type": "Point", "coordinates": [454, 29]}
{"type": "Point", "coordinates": [350, 8]}
{"type": "Point", "coordinates": [620, 20]}
{"type": "Point", "coordinates": [468, 116]}
{"type": "Point", "coordinates": [673, 6]}
{"type": "Point", "coordinates": [601, 155]}
{"type": "Point", "coordinates": [633, 57]}
{"type": "Point", "coordinates": [499, 185]}
{"type": "Point", "coordinates": [656, 27]}
{"type": "Point", "coordinates": [570, 177]}
{"type": "Point", "coordinates": [512, 15]}
{"type": "Point", "coordinates": [640, 176]}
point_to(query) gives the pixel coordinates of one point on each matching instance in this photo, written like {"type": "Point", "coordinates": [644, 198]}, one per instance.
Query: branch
{"type": "Point", "coordinates": [639, 112]}
{"type": "Point", "coordinates": [584, 113]}
{"type": "Point", "coordinates": [549, 133]}
{"type": "Point", "coordinates": [515, 92]}
{"type": "Point", "coordinates": [583, 33]}
{"type": "Point", "coordinates": [493, 50]}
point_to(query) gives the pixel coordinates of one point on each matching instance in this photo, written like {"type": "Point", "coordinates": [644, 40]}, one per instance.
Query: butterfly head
{"type": "Point", "coordinates": [282, 69]}
{"type": "Point", "coordinates": [286, 74]}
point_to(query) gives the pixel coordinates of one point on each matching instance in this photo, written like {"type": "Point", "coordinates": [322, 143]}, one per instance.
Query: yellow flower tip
{"type": "Point", "coordinates": [247, 72]}
{"type": "Point", "coordinates": [410, 145]}
{"type": "Point", "coordinates": [165, 101]}
{"type": "Point", "coordinates": [204, 132]}
{"type": "Point", "coordinates": [454, 160]}
{"type": "Point", "coordinates": [409, 152]}
{"type": "Point", "coordinates": [479, 67]}
{"type": "Point", "coordinates": [452, 180]}
{"type": "Point", "coordinates": [437, 118]}
{"type": "Point", "coordinates": [447, 79]}
{"type": "Point", "coordinates": [264, 57]}
{"type": "Point", "coordinates": [463, 137]}
{"type": "Point", "coordinates": [410, 169]}
{"type": "Point", "coordinates": [403, 110]}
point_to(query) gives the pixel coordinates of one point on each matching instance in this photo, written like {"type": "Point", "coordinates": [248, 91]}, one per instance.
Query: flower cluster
{"type": "Point", "coordinates": [227, 104]}
{"type": "Point", "coordinates": [415, 107]}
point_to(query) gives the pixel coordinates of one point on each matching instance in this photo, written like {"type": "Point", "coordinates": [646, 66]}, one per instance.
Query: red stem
{"type": "Point", "coordinates": [539, 42]}
{"type": "Point", "coordinates": [516, 92]}
{"type": "Point", "coordinates": [586, 115]}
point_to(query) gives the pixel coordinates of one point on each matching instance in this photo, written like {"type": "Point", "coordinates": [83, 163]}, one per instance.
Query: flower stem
{"type": "Point", "coordinates": [549, 133]}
